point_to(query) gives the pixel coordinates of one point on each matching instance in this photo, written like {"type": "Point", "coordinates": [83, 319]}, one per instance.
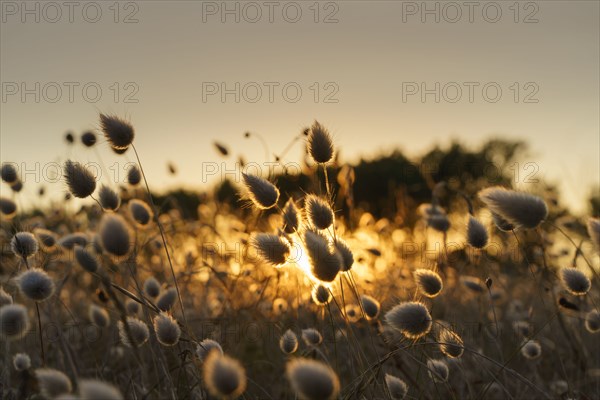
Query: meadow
{"type": "Point", "coordinates": [481, 292]}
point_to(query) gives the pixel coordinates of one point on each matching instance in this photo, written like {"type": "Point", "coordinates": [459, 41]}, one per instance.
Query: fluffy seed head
{"type": "Point", "coordinates": [263, 193]}
{"type": "Point", "coordinates": [473, 283]}
{"type": "Point", "coordinates": [115, 236]}
{"type": "Point", "coordinates": [132, 307]}
{"type": "Point", "coordinates": [370, 306]}
{"type": "Point", "coordinates": [522, 210]}
{"type": "Point", "coordinates": [167, 330]}
{"type": "Point", "coordinates": [318, 211]}
{"type": "Point", "coordinates": [166, 300]}
{"type": "Point", "coordinates": [152, 287]}
{"type": "Point", "coordinates": [98, 316]}
{"type": "Point", "coordinates": [5, 298]}
{"type": "Point", "coordinates": [438, 370]}
{"type": "Point", "coordinates": [9, 173]}
{"type": "Point", "coordinates": [312, 337]}
{"type": "Point", "coordinates": [320, 145]}
{"type": "Point", "coordinates": [140, 212]}
{"type": "Point", "coordinates": [593, 228]}
{"type": "Point", "coordinates": [450, 343]}
{"type": "Point", "coordinates": [91, 389]}
{"type": "Point", "coordinates": [88, 139]}
{"type": "Point", "coordinates": [47, 239]}
{"type": "Point", "coordinates": [312, 380]}
{"type": "Point", "coordinates": [52, 382]}
{"type": "Point", "coordinates": [24, 245]}
{"type": "Point", "coordinates": [396, 386]}
{"type": "Point", "coordinates": [80, 181]}
{"type": "Point", "coordinates": [14, 321]}
{"type": "Point", "coordinates": [352, 313]}
{"type": "Point", "coordinates": [325, 263]}
{"type": "Point", "coordinates": [288, 343]}
{"type": "Point", "coordinates": [73, 239]}
{"type": "Point", "coordinates": [108, 198]}
{"type": "Point", "coordinates": [575, 281]}
{"type": "Point", "coordinates": [134, 175]}
{"type": "Point", "coordinates": [410, 318]}
{"type": "Point", "coordinates": [206, 346]}
{"type": "Point", "coordinates": [347, 256]}
{"type": "Point", "coordinates": [139, 332]}
{"type": "Point", "coordinates": [531, 350]}
{"type": "Point", "coordinates": [429, 282]}
{"type": "Point", "coordinates": [272, 248]}
{"type": "Point", "coordinates": [35, 284]}
{"type": "Point", "coordinates": [221, 149]}
{"type": "Point", "coordinates": [118, 132]}
{"type": "Point", "coordinates": [85, 259]}
{"type": "Point", "coordinates": [501, 223]}
{"type": "Point", "coordinates": [439, 222]}
{"type": "Point", "coordinates": [8, 208]}
{"type": "Point", "coordinates": [291, 221]}
{"type": "Point", "coordinates": [321, 295]}
{"type": "Point", "coordinates": [21, 361]}
{"type": "Point", "coordinates": [477, 236]}
{"type": "Point", "coordinates": [592, 321]}
{"type": "Point", "coordinates": [224, 376]}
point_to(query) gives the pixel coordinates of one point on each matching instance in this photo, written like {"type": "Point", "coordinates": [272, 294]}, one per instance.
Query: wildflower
{"type": "Point", "coordinates": [9, 173]}
{"type": "Point", "coordinates": [396, 386]}
{"type": "Point", "coordinates": [321, 295]}
{"type": "Point", "coordinates": [531, 350]}
{"type": "Point", "coordinates": [312, 337]}
{"type": "Point", "coordinates": [21, 361]}
{"type": "Point", "coordinates": [167, 330]}
{"type": "Point", "coordinates": [92, 389]}
{"type": "Point", "coordinates": [80, 181]}
{"type": "Point", "coordinates": [14, 321]}
{"type": "Point", "coordinates": [370, 306]}
{"type": "Point", "coordinates": [115, 237]}
{"type": "Point", "coordinates": [288, 343]}
{"type": "Point", "coordinates": [8, 208]}
{"type": "Point", "coordinates": [320, 146]}
{"type": "Point", "coordinates": [52, 382]}
{"type": "Point", "coordinates": [47, 239]}
{"type": "Point", "coordinates": [35, 284]}
{"type": "Point", "coordinates": [263, 193]}
{"type": "Point", "coordinates": [85, 259]}
{"type": "Point", "coordinates": [206, 346]}
{"type": "Point", "coordinates": [118, 132]}
{"type": "Point", "coordinates": [345, 252]}
{"type": "Point", "coordinates": [166, 300]}
{"type": "Point", "coordinates": [140, 212]}
{"type": "Point", "coordinates": [224, 376]}
{"type": "Point", "coordinates": [24, 245]}
{"type": "Point", "coordinates": [575, 281]}
{"type": "Point", "coordinates": [312, 380]}
{"type": "Point", "coordinates": [98, 316]}
{"type": "Point", "coordinates": [138, 329]}
{"type": "Point", "coordinates": [516, 208]}
{"type": "Point", "coordinates": [325, 263]}
{"type": "Point", "coordinates": [272, 248]}
{"type": "Point", "coordinates": [438, 370]}
{"type": "Point", "coordinates": [109, 199]}
{"type": "Point", "coordinates": [151, 287]}
{"type": "Point", "coordinates": [450, 343]}
{"type": "Point", "coordinates": [477, 236]}
{"type": "Point", "coordinates": [429, 282]}
{"type": "Point", "coordinates": [318, 211]}
{"type": "Point", "coordinates": [410, 318]}
{"type": "Point", "coordinates": [290, 217]}
{"type": "Point", "coordinates": [134, 175]}
{"type": "Point", "coordinates": [88, 139]}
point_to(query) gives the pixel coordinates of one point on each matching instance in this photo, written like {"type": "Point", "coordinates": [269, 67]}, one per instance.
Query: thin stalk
{"type": "Point", "coordinates": [162, 235]}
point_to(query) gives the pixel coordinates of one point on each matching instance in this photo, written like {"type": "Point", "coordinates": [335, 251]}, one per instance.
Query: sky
{"type": "Point", "coordinates": [378, 74]}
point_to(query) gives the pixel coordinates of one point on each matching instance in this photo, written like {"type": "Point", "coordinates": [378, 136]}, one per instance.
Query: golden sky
{"type": "Point", "coordinates": [378, 74]}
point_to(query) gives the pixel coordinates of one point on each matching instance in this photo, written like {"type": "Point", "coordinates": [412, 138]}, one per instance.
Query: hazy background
{"type": "Point", "coordinates": [175, 48]}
